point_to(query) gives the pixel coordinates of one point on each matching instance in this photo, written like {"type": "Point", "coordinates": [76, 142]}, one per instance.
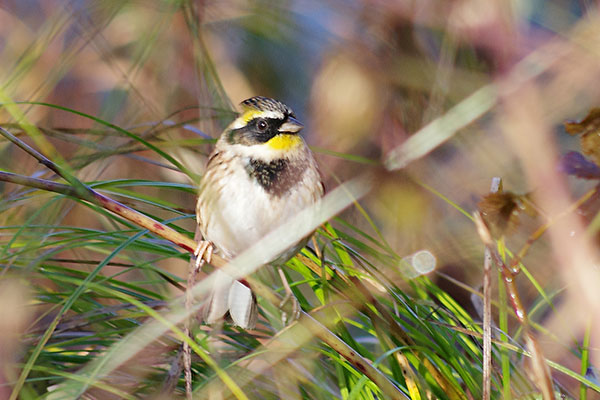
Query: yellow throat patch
{"type": "Point", "coordinates": [285, 141]}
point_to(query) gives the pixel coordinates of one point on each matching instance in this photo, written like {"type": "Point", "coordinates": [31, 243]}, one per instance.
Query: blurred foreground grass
{"type": "Point", "coordinates": [126, 97]}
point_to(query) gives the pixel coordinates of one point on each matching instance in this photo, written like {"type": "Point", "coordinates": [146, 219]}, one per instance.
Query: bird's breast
{"type": "Point", "coordinates": [254, 199]}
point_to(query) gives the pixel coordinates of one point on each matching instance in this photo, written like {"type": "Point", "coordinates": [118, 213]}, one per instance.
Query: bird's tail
{"type": "Point", "coordinates": [234, 297]}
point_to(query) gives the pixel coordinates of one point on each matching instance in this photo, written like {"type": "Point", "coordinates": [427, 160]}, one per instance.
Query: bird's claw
{"type": "Point", "coordinates": [203, 253]}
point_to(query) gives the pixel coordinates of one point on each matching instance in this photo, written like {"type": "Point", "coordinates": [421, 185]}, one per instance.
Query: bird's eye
{"type": "Point", "coordinates": [262, 125]}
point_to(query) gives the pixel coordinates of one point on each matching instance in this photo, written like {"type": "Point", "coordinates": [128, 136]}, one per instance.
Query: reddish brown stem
{"type": "Point", "coordinates": [539, 366]}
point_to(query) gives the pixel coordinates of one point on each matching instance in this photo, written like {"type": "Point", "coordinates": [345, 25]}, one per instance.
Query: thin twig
{"type": "Point", "coordinates": [187, 352]}
{"type": "Point", "coordinates": [203, 252]}
{"type": "Point", "coordinates": [37, 183]}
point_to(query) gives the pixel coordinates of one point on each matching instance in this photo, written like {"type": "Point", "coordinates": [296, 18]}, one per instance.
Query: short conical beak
{"type": "Point", "coordinates": [291, 125]}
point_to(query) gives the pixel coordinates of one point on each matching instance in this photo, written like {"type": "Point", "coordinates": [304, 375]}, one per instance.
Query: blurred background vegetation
{"type": "Point", "coordinates": [485, 86]}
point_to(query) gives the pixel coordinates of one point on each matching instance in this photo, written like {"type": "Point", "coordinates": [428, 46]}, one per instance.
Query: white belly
{"type": "Point", "coordinates": [244, 212]}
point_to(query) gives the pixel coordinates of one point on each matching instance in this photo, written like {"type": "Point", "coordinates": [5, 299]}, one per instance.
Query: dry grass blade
{"type": "Point", "coordinates": [442, 128]}
{"type": "Point", "coordinates": [480, 102]}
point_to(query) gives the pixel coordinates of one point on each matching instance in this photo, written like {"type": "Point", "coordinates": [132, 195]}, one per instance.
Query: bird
{"type": "Point", "coordinates": [259, 175]}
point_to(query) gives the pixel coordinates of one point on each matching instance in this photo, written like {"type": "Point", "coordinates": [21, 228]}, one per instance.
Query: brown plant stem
{"type": "Point", "coordinates": [83, 192]}
{"type": "Point", "coordinates": [37, 183]}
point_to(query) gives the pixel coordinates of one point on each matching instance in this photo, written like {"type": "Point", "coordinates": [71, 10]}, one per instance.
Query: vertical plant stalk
{"type": "Point", "coordinates": [487, 309]}
{"type": "Point", "coordinates": [539, 367]}
{"type": "Point", "coordinates": [187, 352]}
{"type": "Point", "coordinates": [202, 253]}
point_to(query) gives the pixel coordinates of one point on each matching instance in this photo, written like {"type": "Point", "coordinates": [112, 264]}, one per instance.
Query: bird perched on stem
{"type": "Point", "coordinates": [260, 174]}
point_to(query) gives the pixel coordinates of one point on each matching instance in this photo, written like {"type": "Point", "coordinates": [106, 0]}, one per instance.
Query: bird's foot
{"type": "Point", "coordinates": [289, 297]}
{"type": "Point", "coordinates": [203, 253]}
{"type": "Point", "coordinates": [294, 313]}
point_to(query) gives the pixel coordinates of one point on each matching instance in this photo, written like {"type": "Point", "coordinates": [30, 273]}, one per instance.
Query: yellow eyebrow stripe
{"type": "Point", "coordinates": [250, 115]}
{"type": "Point", "coordinates": [285, 141]}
